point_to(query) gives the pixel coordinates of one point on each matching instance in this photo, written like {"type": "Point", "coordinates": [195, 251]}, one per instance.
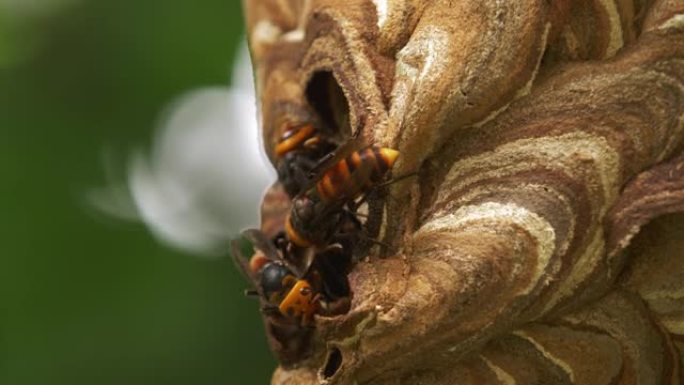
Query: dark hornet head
{"type": "Point", "coordinates": [292, 296]}
{"type": "Point", "coordinates": [307, 224]}
{"type": "Point", "coordinates": [275, 280]}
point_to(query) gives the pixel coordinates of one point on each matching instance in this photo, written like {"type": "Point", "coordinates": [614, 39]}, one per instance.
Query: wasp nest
{"type": "Point", "coordinates": [541, 242]}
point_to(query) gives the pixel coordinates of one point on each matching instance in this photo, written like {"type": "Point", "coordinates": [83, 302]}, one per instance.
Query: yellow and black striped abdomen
{"type": "Point", "coordinates": [348, 178]}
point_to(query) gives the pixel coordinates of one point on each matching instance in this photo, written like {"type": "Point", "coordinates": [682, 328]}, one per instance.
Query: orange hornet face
{"type": "Point", "coordinates": [299, 302]}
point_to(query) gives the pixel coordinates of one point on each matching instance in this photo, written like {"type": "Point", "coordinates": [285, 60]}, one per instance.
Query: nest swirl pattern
{"type": "Point", "coordinates": [543, 239]}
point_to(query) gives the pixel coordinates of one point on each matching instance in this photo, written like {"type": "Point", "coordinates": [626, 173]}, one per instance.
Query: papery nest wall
{"type": "Point", "coordinates": [541, 242]}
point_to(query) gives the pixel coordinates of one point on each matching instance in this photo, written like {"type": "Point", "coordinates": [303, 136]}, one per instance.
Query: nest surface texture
{"type": "Point", "coordinates": [542, 241]}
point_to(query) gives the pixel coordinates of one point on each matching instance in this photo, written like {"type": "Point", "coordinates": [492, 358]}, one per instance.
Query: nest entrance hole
{"type": "Point", "coordinates": [325, 95]}
{"type": "Point", "coordinates": [332, 363]}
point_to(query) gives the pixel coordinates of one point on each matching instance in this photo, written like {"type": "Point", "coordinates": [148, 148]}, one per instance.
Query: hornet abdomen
{"type": "Point", "coordinates": [353, 175]}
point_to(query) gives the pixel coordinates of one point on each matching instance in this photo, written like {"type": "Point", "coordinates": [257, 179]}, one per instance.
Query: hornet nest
{"type": "Point", "coordinates": [542, 241]}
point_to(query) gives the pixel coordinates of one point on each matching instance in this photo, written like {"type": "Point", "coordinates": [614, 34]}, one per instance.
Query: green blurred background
{"type": "Point", "coordinates": [85, 300]}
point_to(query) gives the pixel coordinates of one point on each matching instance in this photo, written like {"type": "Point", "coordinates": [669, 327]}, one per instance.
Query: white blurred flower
{"type": "Point", "coordinates": [204, 177]}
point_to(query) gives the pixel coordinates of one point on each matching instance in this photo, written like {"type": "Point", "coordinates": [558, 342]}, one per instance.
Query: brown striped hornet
{"type": "Point", "coordinates": [292, 288]}
{"type": "Point", "coordinates": [318, 212]}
